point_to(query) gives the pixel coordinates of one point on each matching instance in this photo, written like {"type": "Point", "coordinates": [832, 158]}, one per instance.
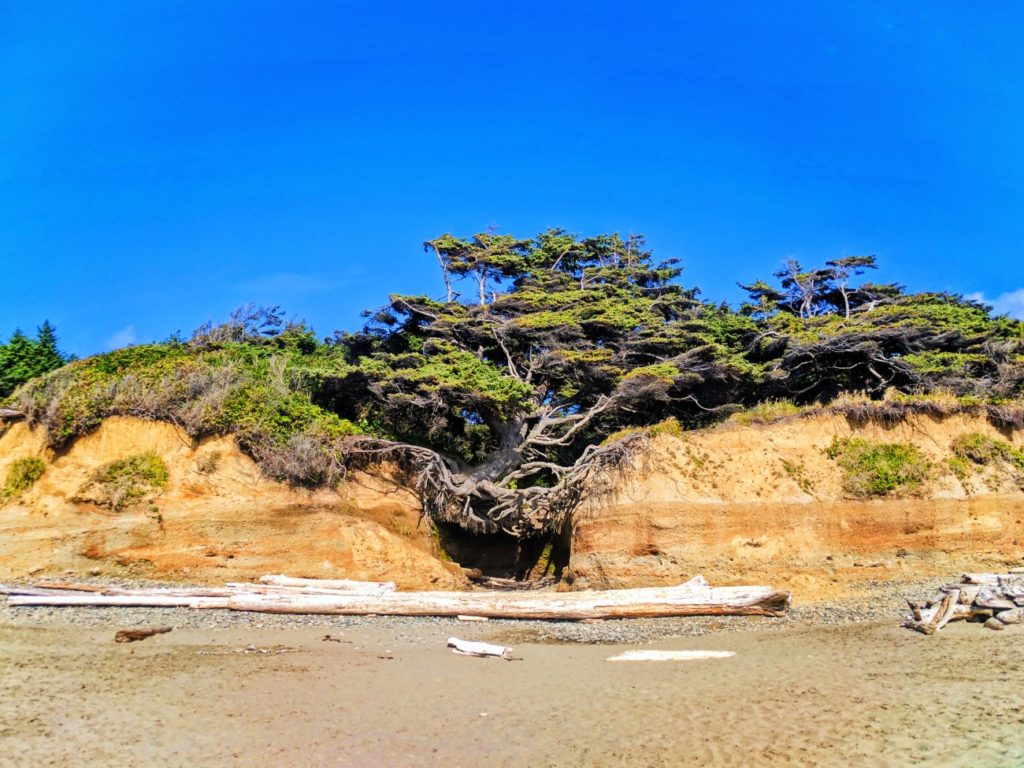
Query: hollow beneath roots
{"type": "Point", "coordinates": [505, 556]}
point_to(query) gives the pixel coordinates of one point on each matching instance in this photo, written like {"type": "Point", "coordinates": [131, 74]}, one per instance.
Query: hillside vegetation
{"type": "Point", "coordinates": [506, 408]}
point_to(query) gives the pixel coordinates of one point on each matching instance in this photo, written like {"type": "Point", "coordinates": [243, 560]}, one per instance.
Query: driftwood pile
{"type": "Point", "coordinates": [997, 599]}
{"type": "Point", "coordinates": [282, 594]}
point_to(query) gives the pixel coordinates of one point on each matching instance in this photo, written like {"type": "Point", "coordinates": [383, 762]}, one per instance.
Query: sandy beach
{"type": "Point", "coordinates": [379, 691]}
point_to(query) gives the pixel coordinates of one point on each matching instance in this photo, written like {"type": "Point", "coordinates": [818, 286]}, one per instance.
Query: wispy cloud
{"type": "Point", "coordinates": [122, 338]}
{"type": "Point", "coordinates": [1010, 303]}
{"type": "Point", "coordinates": [286, 284]}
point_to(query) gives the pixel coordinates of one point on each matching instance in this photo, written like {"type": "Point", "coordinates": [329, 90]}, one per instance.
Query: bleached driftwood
{"type": "Point", "coordinates": [342, 585]}
{"type": "Point", "coordinates": [694, 598]}
{"type": "Point", "coordinates": [119, 601]}
{"type": "Point", "coordinates": [993, 598]}
{"type": "Point", "coordinates": [472, 648]}
{"type": "Point", "coordinates": [670, 655]}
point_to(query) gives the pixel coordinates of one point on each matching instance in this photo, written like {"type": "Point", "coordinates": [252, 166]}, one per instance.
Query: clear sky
{"type": "Point", "coordinates": [164, 162]}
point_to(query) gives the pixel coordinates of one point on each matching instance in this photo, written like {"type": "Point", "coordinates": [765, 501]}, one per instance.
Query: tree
{"type": "Point", "coordinates": [23, 358]}
{"type": "Point", "coordinates": [812, 292]}
{"type": "Point", "coordinates": [805, 291]}
{"type": "Point", "coordinates": [498, 410]}
{"type": "Point", "coordinates": [487, 258]}
{"type": "Point", "coordinates": [843, 269]}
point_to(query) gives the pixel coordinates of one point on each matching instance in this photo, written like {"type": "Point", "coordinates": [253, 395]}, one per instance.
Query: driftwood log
{"type": "Point", "coordinates": [995, 599]}
{"type": "Point", "coordinates": [694, 598]}
{"type": "Point", "coordinates": [472, 648]}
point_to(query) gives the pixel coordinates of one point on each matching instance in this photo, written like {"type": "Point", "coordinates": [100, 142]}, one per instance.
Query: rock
{"type": "Point", "coordinates": [95, 571]}
{"type": "Point", "coordinates": [995, 623]}
{"type": "Point", "coordinates": [1012, 616]}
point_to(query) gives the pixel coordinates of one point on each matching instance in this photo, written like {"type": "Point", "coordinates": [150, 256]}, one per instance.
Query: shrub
{"type": "Point", "coordinates": [22, 475]}
{"type": "Point", "coordinates": [975, 449]}
{"type": "Point", "coordinates": [982, 449]}
{"type": "Point", "coordinates": [877, 469]}
{"type": "Point", "coordinates": [130, 480]}
{"type": "Point", "coordinates": [207, 463]}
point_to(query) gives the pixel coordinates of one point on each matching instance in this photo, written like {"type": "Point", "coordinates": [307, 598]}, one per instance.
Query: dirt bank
{"type": "Point", "coordinates": [765, 504]}
{"type": "Point", "coordinates": [217, 520]}
{"type": "Point", "coordinates": [740, 504]}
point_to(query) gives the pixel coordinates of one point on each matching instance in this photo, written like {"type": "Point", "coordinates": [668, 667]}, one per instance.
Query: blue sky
{"type": "Point", "coordinates": [164, 162]}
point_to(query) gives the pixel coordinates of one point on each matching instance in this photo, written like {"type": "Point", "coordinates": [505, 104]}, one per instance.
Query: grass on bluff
{"type": "Point", "coordinates": [669, 426]}
{"type": "Point", "coordinates": [879, 469]}
{"type": "Point", "coordinates": [22, 475]}
{"type": "Point", "coordinates": [766, 412]}
{"type": "Point", "coordinates": [895, 406]}
{"type": "Point", "coordinates": [128, 481]}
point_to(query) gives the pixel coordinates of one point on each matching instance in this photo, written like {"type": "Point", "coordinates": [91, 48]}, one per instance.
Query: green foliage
{"type": "Point", "coordinates": [23, 358]}
{"type": "Point", "coordinates": [129, 480]}
{"type": "Point", "coordinates": [22, 475]}
{"type": "Point", "coordinates": [669, 426]}
{"type": "Point", "coordinates": [960, 467]}
{"type": "Point", "coordinates": [767, 412]}
{"type": "Point", "coordinates": [797, 472]}
{"type": "Point", "coordinates": [983, 450]}
{"type": "Point", "coordinates": [878, 469]}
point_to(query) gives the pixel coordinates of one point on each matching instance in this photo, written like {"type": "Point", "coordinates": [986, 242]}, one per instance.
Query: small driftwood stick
{"type": "Point", "coordinates": [133, 635]}
{"type": "Point", "coordinates": [471, 648]}
{"type": "Point", "coordinates": [670, 655]}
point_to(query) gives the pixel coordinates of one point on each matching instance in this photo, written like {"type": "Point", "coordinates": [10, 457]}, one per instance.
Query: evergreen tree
{"type": "Point", "coordinates": [23, 358]}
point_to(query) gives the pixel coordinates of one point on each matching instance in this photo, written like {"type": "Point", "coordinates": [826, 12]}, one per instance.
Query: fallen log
{"type": "Point", "coordinates": [495, 582]}
{"type": "Point", "coordinates": [119, 601]}
{"type": "Point", "coordinates": [993, 579]}
{"type": "Point", "coordinates": [694, 598]}
{"type": "Point", "coordinates": [618, 604]}
{"type": "Point", "coordinates": [343, 585]}
{"type": "Point", "coordinates": [231, 588]}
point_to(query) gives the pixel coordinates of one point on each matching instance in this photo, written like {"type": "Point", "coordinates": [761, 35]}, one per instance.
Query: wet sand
{"type": "Point", "coordinates": [387, 695]}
